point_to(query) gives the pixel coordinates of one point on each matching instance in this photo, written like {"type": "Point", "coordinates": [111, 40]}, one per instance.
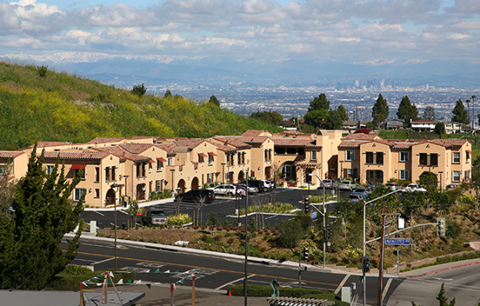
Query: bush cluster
{"type": "Point", "coordinates": [179, 220]}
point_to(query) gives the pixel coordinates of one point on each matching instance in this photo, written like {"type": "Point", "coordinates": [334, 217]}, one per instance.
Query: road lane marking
{"type": "Point", "coordinates": [341, 284]}
{"type": "Point", "coordinates": [234, 281]}
{"type": "Point", "coordinates": [199, 267]}
{"type": "Point", "coordinates": [99, 213]}
{"type": "Point", "coordinates": [102, 261]}
{"type": "Point", "coordinates": [386, 288]}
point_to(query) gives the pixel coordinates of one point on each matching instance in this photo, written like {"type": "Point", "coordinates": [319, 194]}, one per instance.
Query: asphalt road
{"type": "Point", "coordinates": [215, 272]}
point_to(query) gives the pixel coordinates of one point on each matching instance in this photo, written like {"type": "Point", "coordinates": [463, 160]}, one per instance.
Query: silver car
{"type": "Point", "coordinates": [347, 185]}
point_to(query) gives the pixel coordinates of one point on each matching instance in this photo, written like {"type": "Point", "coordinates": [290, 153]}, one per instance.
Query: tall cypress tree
{"type": "Point", "coordinates": [407, 111]}
{"type": "Point", "coordinates": [380, 111]}
{"type": "Point", "coordinates": [460, 114]}
{"type": "Point", "coordinates": [31, 254]}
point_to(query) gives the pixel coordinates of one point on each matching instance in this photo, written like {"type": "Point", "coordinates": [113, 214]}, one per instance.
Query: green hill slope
{"type": "Point", "coordinates": [62, 107]}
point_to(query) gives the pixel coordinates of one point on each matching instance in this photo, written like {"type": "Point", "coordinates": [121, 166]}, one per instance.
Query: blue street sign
{"type": "Point", "coordinates": [397, 241]}
{"type": "Point", "coordinates": [314, 214]}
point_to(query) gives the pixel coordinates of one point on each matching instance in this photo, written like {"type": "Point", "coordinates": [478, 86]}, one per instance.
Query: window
{"type": "Point", "coordinates": [456, 176]}
{"type": "Point", "coordinates": [78, 170]}
{"type": "Point", "coordinates": [314, 155]}
{"type": "Point", "coordinates": [467, 157]}
{"type": "Point", "coordinates": [456, 157]}
{"type": "Point", "coordinates": [114, 175]}
{"type": "Point", "coordinates": [404, 175]}
{"type": "Point", "coordinates": [159, 165]}
{"type": "Point", "coordinates": [49, 169]}
{"type": "Point", "coordinates": [2, 170]}
{"type": "Point", "coordinates": [379, 158]}
{"type": "Point", "coordinates": [369, 158]}
{"type": "Point", "coordinates": [467, 174]}
{"type": "Point", "coordinates": [158, 185]}
{"type": "Point", "coordinates": [107, 173]}
{"type": "Point", "coordinates": [350, 155]}
{"type": "Point", "coordinates": [404, 156]}
{"type": "Point", "coordinates": [170, 161]}
{"type": "Point", "coordinates": [97, 174]}
{"type": "Point", "coordinates": [78, 193]}
{"type": "Point", "coordinates": [97, 193]}
{"type": "Point", "coordinates": [423, 159]}
{"type": "Point", "coordinates": [351, 173]}
{"type": "Point", "coordinates": [266, 155]}
{"type": "Point", "coordinates": [239, 157]}
{"type": "Point", "coordinates": [210, 159]}
{"type": "Point", "coordinates": [434, 160]}
{"type": "Point", "coordinates": [200, 158]}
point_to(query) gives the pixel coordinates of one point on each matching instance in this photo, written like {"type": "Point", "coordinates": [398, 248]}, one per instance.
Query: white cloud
{"type": "Point", "coordinates": [458, 36]}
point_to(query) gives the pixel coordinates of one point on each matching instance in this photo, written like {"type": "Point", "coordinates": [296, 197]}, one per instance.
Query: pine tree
{"type": "Point", "coordinates": [460, 114]}
{"type": "Point", "coordinates": [319, 103]}
{"type": "Point", "coordinates": [442, 299]}
{"type": "Point", "coordinates": [380, 111]}
{"type": "Point", "coordinates": [31, 254]}
{"type": "Point", "coordinates": [407, 111]}
{"type": "Point", "coordinates": [342, 112]}
{"type": "Point", "coordinates": [214, 101]}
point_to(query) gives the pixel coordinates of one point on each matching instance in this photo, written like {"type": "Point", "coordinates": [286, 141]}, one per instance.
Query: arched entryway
{"type": "Point", "coordinates": [141, 191]}
{"type": "Point", "coordinates": [194, 183]}
{"type": "Point", "coordinates": [110, 197]}
{"type": "Point", "coordinates": [181, 185]}
{"type": "Point", "coordinates": [241, 176]}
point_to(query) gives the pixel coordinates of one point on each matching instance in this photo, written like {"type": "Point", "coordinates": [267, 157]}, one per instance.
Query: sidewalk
{"type": "Point", "coordinates": [440, 268]}
{"type": "Point", "coordinates": [159, 295]}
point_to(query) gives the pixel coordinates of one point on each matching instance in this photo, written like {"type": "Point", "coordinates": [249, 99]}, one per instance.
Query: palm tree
{"type": "Point", "coordinates": [473, 110]}
{"type": "Point", "coordinates": [468, 106]}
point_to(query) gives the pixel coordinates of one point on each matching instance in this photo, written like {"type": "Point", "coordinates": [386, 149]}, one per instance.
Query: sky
{"type": "Point", "coordinates": [368, 32]}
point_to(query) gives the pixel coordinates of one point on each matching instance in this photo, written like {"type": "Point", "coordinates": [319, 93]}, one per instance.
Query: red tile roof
{"type": "Point", "coordinates": [75, 154]}
{"type": "Point", "coordinates": [449, 142]}
{"type": "Point", "coordinates": [106, 139]}
{"type": "Point", "coordinates": [10, 154]}
{"type": "Point", "coordinates": [423, 121]}
{"type": "Point", "coordinates": [294, 142]}
{"type": "Point", "coordinates": [189, 143]}
{"type": "Point", "coordinates": [169, 147]}
{"type": "Point", "coordinates": [136, 148]}
{"type": "Point", "coordinates": [360, 136]}
{"type": "Point", "coordinates": [252, 133]}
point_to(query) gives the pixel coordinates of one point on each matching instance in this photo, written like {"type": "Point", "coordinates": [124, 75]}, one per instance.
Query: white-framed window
{"type": "Point", "coordinates": [349, 155]}
{"type": "Point", "coordinates": [456, 176]}
{"type": "Point", "coordinates": [159, 166]}
{"type": "Point", "coordinates": [467, 175]}
{"type": "Point", "coordinates": [404, 156]}
{"type": "Point", "coordinates": [78, 170]}
{"type": "Point", "coordinates": [49, 169]}
{"type": "Point", "coordinates": [404, 175]}
{"type": "Point", "coordinates": [351, 173]}
{"type": "Point", "coordinates": [77, 194]}
{"type": "Point", "coordinates": [170, 161]}
{"type": "Point", "coordinates": [314, 155]}
{"type": "Point", "coordinates": [456, 157]}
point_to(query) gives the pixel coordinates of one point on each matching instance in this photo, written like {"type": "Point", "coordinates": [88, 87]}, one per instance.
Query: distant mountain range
{"type": "Point", "coordinates": [127, 70]}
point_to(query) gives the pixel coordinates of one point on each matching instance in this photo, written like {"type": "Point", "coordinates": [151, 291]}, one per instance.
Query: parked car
{"type": "Point", "coordinates": [326, 183]}
{"type": "Point", "coordinates": [393, 185]}
{"type": "Point", "coordinates": [151, 216]}
{"type": "Point", "coordinates": [371, 186]}
{"type": "Point", "coordinates": [268, 184]}
{"type": "Point", "coordinates": [451, 186]}
{"type": "Point", "coordinates": [251, 189]}
{"type": "Point", "coordinates": [347, 185]}
{"type": "Point", "coordinates": [414, 187]}
{"type": "Point", "coordinates": [195, 196]}
{"type": "Point", "coordinates": [226, 190]}
{"type": "Point", "coordinates": [363, 190]}
{"type": "Point", "coordinates": [272, 183]}
{"type": "Point", "coordinates": [357, 196]}
{"type": "Point", "coordinates": [241, 191]}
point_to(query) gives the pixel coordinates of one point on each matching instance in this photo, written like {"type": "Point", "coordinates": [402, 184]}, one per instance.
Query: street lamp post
{"type": "Point", "coordinates": [364, 240]}
{"type": "Point", "coordinates": [223, 172]}
{"type": "Point", "coordinates": [115, 218]}
{"type": "Point", "coordinates": [324, 225]}
{"type": "Point", "coordinates": [246, 243]}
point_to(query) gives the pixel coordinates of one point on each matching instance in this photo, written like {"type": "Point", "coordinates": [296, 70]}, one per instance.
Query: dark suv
{"type": "Point", "coordinates": [195, 195]}
{"type": "Point", "coordinates": [255, 183]}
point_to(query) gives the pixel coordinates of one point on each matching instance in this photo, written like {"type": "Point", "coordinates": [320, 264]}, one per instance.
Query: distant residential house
{"type": "Point", "coordinates": [393, 124]}
{"type": "Point", "coordinates": [423, 125]}
{"type": "Point", "coordinates": [289, 125]}
{"type": "Point", "coordinates": [353, 125]}
{"type": "Point", "coordinates": [453, 128]}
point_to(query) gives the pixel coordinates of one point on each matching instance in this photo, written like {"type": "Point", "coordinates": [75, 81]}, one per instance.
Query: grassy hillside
{"type": "Point", "coordinates": [62, 107]}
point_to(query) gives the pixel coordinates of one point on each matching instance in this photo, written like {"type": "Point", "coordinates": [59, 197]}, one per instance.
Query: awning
{"type": "Point", "coordinates": [468, 151]}
{"type": "Point", "coordinates": [161, 159]}
{"type": "Point", "coordinates": [212, 154]}
{"type": "Point", "coordinates": [151, 161]}
{"type": "Point", "coordinates": [77, 167]}
{"type": "Point", "coordinates": [202, 154]}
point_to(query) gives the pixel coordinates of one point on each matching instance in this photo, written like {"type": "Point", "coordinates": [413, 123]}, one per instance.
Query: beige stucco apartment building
{"type": "Point", "coordinates": [369, 158]}
{"type": "Point", "coordinates": [138, 166]}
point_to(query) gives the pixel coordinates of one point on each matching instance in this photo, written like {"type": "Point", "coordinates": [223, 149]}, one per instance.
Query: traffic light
{"type": "Point", "coordinates": [305, 254]}
{"type": "Point", "coordinates": [329, 232]}
{"type": "Point", "coordinates": [366, 263]}
{"type": "Point", "coordinates": [441, 226]}
{"type": "Point", "coordinates": [397, 235]}
{"type": "Point", "coordinates": [307, 204]}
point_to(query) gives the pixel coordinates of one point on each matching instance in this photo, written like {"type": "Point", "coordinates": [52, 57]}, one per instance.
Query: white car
{"type": "Point", "coordinates": [267, 184]}
{"type": "Point", "coordinates": [414, 187]}
{"type": "Point", "coordinates": [226, 190]}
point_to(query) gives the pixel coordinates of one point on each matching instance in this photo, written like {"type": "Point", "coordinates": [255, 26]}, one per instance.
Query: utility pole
{"type": "Point", "coordinates": [380, 275]}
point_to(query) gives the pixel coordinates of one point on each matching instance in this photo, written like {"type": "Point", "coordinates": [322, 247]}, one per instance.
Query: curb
{"type": "Point", "coordinates": [443, 269]}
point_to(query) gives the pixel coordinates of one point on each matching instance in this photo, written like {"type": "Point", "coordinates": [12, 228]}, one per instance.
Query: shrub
{"type": "Point", "coordinates": [179, 220]}
{"type": "Point", "coordinates": [139, 90]}
{"type": "Point", "coordinates": [76, 270]}
{"type": "Point", "coordinates": [265, 291]}
{"type": "Point", "coordinates": [42, 70]}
